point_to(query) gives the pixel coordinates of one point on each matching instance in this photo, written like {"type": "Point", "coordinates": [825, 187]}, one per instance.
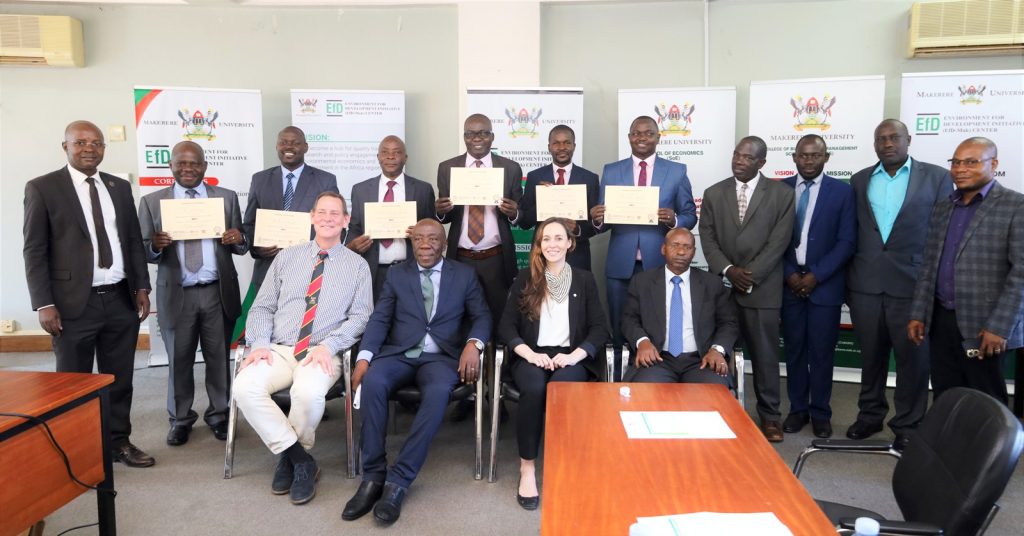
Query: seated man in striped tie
{"type": "Point", "coordinates": [314, 304]}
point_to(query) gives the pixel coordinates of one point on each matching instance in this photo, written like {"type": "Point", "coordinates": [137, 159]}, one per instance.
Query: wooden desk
{"type": "Point", "coordinates": [33, 480]}
{"type": "Point", "coordinates": [596, 481]}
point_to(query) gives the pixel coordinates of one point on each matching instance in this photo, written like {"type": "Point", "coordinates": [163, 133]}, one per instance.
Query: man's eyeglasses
{"type": "Point", "coordinates": [471, 134]}
{"type": "Point", "coordinates": [970, 162]}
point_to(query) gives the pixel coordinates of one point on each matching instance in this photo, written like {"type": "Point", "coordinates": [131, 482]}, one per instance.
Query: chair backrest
{"type": "Point", "coordinates": [957, 466]}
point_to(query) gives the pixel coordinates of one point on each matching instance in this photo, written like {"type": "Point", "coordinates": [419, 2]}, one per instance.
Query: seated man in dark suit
{"type": "Point", "coordinates": [701, 321]}
{"type": "Point", "coordinates": [415, 335]}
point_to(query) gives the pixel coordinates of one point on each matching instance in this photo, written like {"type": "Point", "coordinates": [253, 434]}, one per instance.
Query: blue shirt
{"type": "Point", "coordinates": [208, 272]}
{"type": "Point", "coordinates": [886, 195]}
{"type": "Point", "coordinates": [295, 181]}
{"type": "Point", "coordinates": [959, 219]}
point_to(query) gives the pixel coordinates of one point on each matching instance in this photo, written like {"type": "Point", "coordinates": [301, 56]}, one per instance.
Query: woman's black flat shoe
{"type": "Point", "coordinates": [528, 503]}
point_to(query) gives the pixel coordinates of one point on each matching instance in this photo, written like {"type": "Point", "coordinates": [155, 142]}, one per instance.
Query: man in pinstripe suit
{"type": "Point", "coordinates": [297, 328]}
{"type": "Point", "coordinates": [970, 297]}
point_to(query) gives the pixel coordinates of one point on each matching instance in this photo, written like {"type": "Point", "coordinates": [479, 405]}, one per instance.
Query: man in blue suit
{"type": "Point", "coordinates": [562, 145]}
{"type": "Point", "coordinates": [636, 248]}
{"type": "Point", "coordinates": [415, 335]}
{"type": "Point", "coordinates": [814, 268]}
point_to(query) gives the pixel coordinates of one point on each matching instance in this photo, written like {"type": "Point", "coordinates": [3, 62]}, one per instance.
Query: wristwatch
{"type": "Point", "coordinates": [479, 345]}
{"type": "Point", "coordinates": [718, 348]}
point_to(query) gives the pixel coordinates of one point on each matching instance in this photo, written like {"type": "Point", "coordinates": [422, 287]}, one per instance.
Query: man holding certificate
{"type": "Point", "coordinates": [384, 210]}
{"type": "Point", "coordinates": [642, 197]}
{"type": "Point", "coordinates": [562, 190]}
{"type": "Point", "coordinates": [197, 297]}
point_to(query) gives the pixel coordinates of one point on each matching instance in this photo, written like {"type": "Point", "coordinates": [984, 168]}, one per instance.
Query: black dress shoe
{"type": "Point", "coordinates": [863, 430]}
{"type": "Point", "coordinates": [178, 435]}
{"type": "Point", "coordinates": [527, 503]}
{"type": "Point", "coordinates": [901, 442]}
{"type": "Point", "coordinates": [822, 428]}
{"type": "Point", "coordinates": [220, 430]}
{"type": "Point", "coordinates": [304, 482]}
{"type": "Point", "coordinates": [461, 410]}
{"type": "Point", "coordinates": [795, 422]}
{"type": "Point", "coordinates": [389, 507]}
{"type": "Point", "coordinates": [131, 456]}
{"type": "Point", "coordinates": [283, 476]}
{"type": "Point", "coordinates": [362, 502]}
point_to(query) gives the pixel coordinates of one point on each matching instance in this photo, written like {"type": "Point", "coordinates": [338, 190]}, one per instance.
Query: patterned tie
{"type": "Point", "coordinates": [193, 248]}
{"type": "Point", "coordinates": [675, 319]}
{"type": "Point", "coordinates": [312, 295]}
{"type": "Point", "coordinates": [427, 287]}
{"type": "Point", "coordinates": [389, 197]}
{"type": "Point", "coordinates": [476, 218]}
{"type": "Point", "coordinates": [642, 181]}
{"type": "Point", "coordinates": [801, 211]}
{"type": "Point", "coordinates": [102, 240]}
{"type": "Point", "coordinates": [289, 191]}
{"type": "Point", "coordinates": [561, 177]}
{"type": "Point", "coordinates": [742, 201]}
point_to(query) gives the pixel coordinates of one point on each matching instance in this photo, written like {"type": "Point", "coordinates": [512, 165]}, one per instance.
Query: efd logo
{"type": "Point", "coordinates": [335, 108]}
{"type": "Point", "coordinates": [928, 124]}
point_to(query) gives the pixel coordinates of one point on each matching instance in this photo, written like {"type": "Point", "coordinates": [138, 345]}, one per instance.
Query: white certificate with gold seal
{"type": "Point", "coordinates": [389, 220]}
{"type": "Point", "coordinates": [565, 201]}
{"type": "Point", "coordinates": [477, 186]}
{"type": "Point", "coordinates": [636, 205]}
{"type": "Point", "coordinates": [192, 219]}
{"type": "Point", "coordinates": [281, 228]}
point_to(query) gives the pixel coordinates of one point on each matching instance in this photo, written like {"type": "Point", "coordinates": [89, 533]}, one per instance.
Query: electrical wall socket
{"type": "Point", "coordinates": [7, 326]}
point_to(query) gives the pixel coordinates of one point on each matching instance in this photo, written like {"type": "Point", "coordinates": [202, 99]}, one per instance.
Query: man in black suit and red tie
{"type": "Point", "coordinates": [86, 273]}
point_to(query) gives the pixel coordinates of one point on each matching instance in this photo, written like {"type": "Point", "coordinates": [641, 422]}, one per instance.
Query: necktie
{"type": "Point", "coordinates": [742, 201]}
{"type": "Point", "coordinates": [193, 248]}
{"type": "Point", "coordinates": [289, 191]}
{"type": "Point", "coordinates": [102, 240]}
{"type": "Point", "coordinates": [427, 287]}
{"type": "Point", "coordinates": [561, 177]}
{"type": "Point", "coordinates": [312, 295]}
{"type": "Point", "coordinates": [642, 180]}
{"type": "Point", "coordinates": [675, 319]}
{"type": "Point", "coordinates": [801, 211]}
{"type": "Point", "coordinates": [389, 197]}
{"type": "Point", "coordinates": [475, 229]}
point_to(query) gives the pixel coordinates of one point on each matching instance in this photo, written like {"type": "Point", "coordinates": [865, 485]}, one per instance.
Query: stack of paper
{"type": "Point", "coordinates": [717, 523]}
{"type": "Point", "coordinates": [675, 425]}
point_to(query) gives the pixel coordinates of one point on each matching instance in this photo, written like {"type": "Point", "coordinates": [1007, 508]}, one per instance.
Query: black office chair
{"type": "Point", "coordinates": [951, 474]}
{"type": "Point", "coordinates": [340, 389]}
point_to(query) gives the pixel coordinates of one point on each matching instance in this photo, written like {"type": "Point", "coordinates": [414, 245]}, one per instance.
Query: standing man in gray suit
{"type": "Point", "coordinates": [197, 295]}
{"type": "Point", "coordinates": [971, 291]}
{"type": "Point", "coordinates": [291, 186]}
{"type": "Point", "coordinates": [746, 224]}
{"type": "Point", "coordinates": [392, 185]}
{"type": "Point", "coordinates": [893, 199]}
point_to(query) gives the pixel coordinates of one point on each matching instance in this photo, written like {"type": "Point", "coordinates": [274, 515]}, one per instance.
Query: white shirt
{"type": "Point", "coordinates": [554, 323]}
{"type": "Point", "coordinates": [751, 186]}
{"type": "Point", "coordinates": [689, 341]}
{"type": "Point", "coordinates": [100, 276]}
{"type": "Point", "coordinates": [568, 172]}
{"type": "Point", "coordinates": [396, 252]}
{"type": "Point", "coordinates": [491, 236]}
{"type": "Point", "coordinates": [801, 250]}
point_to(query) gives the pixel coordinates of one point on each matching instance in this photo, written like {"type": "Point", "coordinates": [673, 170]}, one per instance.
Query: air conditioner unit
{"type": "Point", "coordinates": [41, 40]}
{"type": "Point", "coordinates": [966, 28]}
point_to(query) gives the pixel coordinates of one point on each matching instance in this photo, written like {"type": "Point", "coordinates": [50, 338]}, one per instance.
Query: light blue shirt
{"type": "Point", "coordinates": [208, 272]}
{"type": "Point", "coordinates": [812, 200]}
{"type": "Point", "coordinates": [886, 195]}
{"type": "Point", "coordinates": [295, 182]}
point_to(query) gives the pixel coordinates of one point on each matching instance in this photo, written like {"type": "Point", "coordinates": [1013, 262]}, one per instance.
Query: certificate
{"type": "Point", "coordinates": [637, 205]}
{"type": "Point", "coordinates": [477, 186]}
{"type": "Point", "coordinates": [568, 201]}
{"type": "Point", "coordinates": [389, 220]}
{"type": "Point", "coordinates": [190, 219]}
{"type": "Point", "coordinates": [281, 228]}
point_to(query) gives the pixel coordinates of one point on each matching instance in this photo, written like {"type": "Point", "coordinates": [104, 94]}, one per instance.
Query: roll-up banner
{"type": "Point", "coordinates": [522, 118]}
{"type": "Point", "coordinates": [344, 127]}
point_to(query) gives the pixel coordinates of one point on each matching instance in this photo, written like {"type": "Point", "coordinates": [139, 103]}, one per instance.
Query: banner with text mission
{"type": "Point", "coordinates": [522, 119]}
{"type": "Point", "coordinates": [943, 109]}
{"type": "Point", "coordinates": [344, 127]}
{"type": "Point", "coordinates": [843, 111]}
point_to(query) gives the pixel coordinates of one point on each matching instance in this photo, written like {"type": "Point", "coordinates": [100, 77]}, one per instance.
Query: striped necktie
{"type": "Point", "coordinates": [193, 248]}
{"type": "Point", "coordinates": [312, 295]}
{"type": "Point", "coordinates": [475, 229]}
{"type": "Point", "coordinates": [289, 191]}
{"type": "Point", "coordinates": [389, 197]}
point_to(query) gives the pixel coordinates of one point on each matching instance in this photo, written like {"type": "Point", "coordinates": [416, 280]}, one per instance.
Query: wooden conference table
{"type": "Point", "coordinates": [33, 480]}
{"type": "Point", "coordinates": [597, 481]}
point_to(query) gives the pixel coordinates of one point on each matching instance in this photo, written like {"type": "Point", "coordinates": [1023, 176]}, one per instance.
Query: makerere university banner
{"type": "Point", "coordinates": [943, 109]}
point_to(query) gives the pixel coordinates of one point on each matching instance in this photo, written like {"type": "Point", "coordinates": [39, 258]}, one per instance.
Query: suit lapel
{"type": "Point", "coordinates": [303, 187]}
{"type": "Point", "coordinates": [914, 185]}
{"type": "Point", "coordinates": [697, 289]}
{"type": "Point", "coordinates": [821, 202]}
{"type": "Point", "coordinates": [417, 290]}
{"type": "Point", "coordinates": [731, 202]}
{"type": "Point", "coordinates": [276, 190]}
{"type": "Point", "coordinates": [987, 206]}
{"type": "Point", "coordinates": [447, 280]}
{"type": "Point", "coordinates": [660, 172]}
{"type": "Point", "coordinates": [660, 293]}
{"type": "Point", "coordinates": [66, 190]}
{"type": "Point", "coordinates": [755, 199]}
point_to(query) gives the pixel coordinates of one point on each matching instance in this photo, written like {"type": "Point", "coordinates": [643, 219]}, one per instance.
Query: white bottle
{"type": "Point", "coordinates": [865, 526]}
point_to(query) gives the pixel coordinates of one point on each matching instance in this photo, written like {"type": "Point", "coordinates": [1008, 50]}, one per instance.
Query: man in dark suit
{"type": "Point", "coordinates": [197, 294]}
{"type": "Point", "coordinates": [692, 306]}
{"type": "Point", "coordinates": [814, 268]}
{"type": "Point", "coordinates": [86, 272]}
{"type": "Point", "coordinates": [635, 248]}
{"type": "Point", "coordinates": [392, 185]}
{"type": "Point", "coordinates": [970, 295]}
{"type": "Point", "coordinates": [746, 223]}
{"type": "Point", "coordinates": [291, 186]}
{"type": "Point", "coordinates": [562, 145]}
{"type": "Point", "coordinates": [415, 334]}
{"type": "Point", "coordinates": [894, 199]}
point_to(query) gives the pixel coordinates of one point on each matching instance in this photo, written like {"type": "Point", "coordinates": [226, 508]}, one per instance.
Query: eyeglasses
{"type": "Point", "coordinates": [81, 144]}
{"type": "Point", "coordinates": [970, 162]}
{"type": "Point", "coordinates": [471, 134]}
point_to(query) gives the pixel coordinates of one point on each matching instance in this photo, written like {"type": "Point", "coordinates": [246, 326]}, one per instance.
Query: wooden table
{"type": "Point", "coordinates": [33, 480]}
{"type": "Point", "coordinates": [596, 481]}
